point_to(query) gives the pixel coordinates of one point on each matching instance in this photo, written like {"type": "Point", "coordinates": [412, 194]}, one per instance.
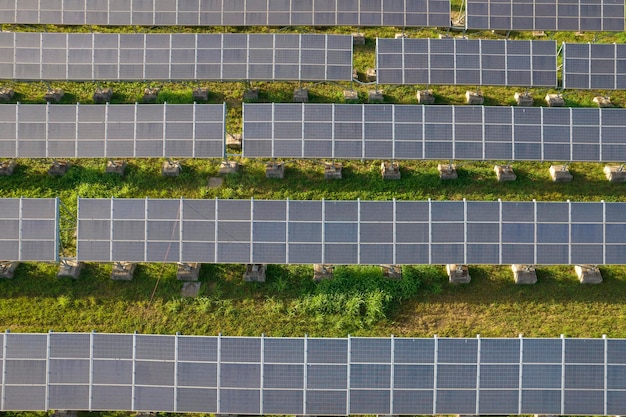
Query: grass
{"type": "Point", "coordinates": [358, 301]}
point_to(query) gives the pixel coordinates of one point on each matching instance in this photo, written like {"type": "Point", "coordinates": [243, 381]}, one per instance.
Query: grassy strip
{"type": "Point", "coordinates": [358, 302]}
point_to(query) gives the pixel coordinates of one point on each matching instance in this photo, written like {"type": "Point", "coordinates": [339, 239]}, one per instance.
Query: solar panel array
{"type": "Point", "coordinates": [454, 61]}
{"type": "Point", "coordinates": [310, 376]}
{"type": "Point", "coordinates": [400, 13]}
{"type": "Point", "coordinates": [29, 229]}
{"type": "Point", "coordinates": [118, 131]}
{"type": "Point", "coordinates": [405, 132]}
{"type": "Point", "coordinates": [594, 66]}
{"type": "Point", "coordinates": [200, 56]}
{"type": "Point", "coordinates": [351, 232]}
{"type": "Point", "coordinates": [561, 15]}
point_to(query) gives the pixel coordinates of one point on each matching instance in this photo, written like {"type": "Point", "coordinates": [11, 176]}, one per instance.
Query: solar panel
{"type": "Point", "coordinates": [30, 231]}
{"type": "Point", "coordinates": [354, 375]}
{"type": "Point", "coordinates": [466, 62]}
{"type": "Point", "coordinates": [594, 66]}
{"type": "Point", "coordinates": [569, 15]}
{"type": "Point", "coordinates": [228, 12]}
{"type": "Point", "coordinates": [117, 131]}
{"type": "Point", "coordinates": [347, 131]}
{"type": "Point", "coordinates": [231, 56]}
{"type": "Point", "coordinates": [350, 232]}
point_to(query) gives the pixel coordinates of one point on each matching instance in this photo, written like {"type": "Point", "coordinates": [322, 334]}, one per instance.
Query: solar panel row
{"type": "Point", "coordinates": [466, 62]}
{"type": "Point", "coordinates": [401, 13]}
{"type": "Point", "coordinates": [351, 232]}
{"type": "Point", "coordinates": [29, 229]}
{"type": "Point", "coordinates": [402, 132]}
{"type": "Point", "coordinates": [594, 66]}
{"type": "Point", "coordinates": [297, 376]}
{"type": "Point", "coordinates": [118, 131]}
{"type": "Point", "coordinates": [107, 56]}
{"type": "Point", "coordinates": [561, 15]}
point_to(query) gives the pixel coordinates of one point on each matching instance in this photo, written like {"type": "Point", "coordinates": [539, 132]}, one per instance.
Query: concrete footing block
{"type": "Point", "coordinates": [254, 273]}
{"type": "Point", "coordinates": [400, 36]}
{"type": "Point", "coordinates": [54, 96]}
{"type": "Point", "coordinates": [228, 167]}
{"type": "Point", "coordinates": [251, 94]}
{"type": "Point", "coordinates": [7, 167]}
{"type": "Point", "coordinates": [390, 170]}
{"type": "Point", "coordinates": [560, 173]}
{"type": "Point", "coordinates": [6, 94]}
{"type": "Point", "coordinates": [375, 96]}
{"type": "Point", "coordinates": [524, 99]}
{"type": "Point", "coordinates": [602, 101]}
{"type": "Point", "coordinates": [322, 271]}
{"type": "Point", "coordinates": [350, 96]}
{"type": "Point", "coordinates": [275, 170]}
{"type": "Point", "coordinates": [150, 95]}
{"type": "Point", "coordinates": [447, 171]}
{"type": "Point", "coordinates": [333, 170]}
{"type": "Point", "coordinates": [123, 271]}
{"type": "Point", "coordinates": [425, 97]}
{"type": "Point", "coordinates": [301, 95]}
{"type": "Point", "coordinates": [474, 98]}
{"type": "Point", "coordinates": [393, 272]}
{"type": "Point", "coordinates": [171, 169]}
{"type": "Point", "coordinates": [116, 167]}
{"type": "Point", "coordinates": [70, 269]}
{"type": "Point", "coordinates": [524, 274]}
{"type": "Point", "coordinates": [505, 173]}
{"type": "Point", "coordinates": [358, 39]}
{"type": "Point", "coordinates": [200, 94]}
{"type": "Point", "coordinates": [588, 274]}
{"type": "Point", "coordinates": [233, 141]}
{"type": "Point", "coordinates": [615, 173]}
{"type": "Point", "coordinates": [58, 168]}
{"type": "Point", "coordinates": [102, 95]}
{"type": "Point", "coordinates": [370, 75]}
{"type": "Point", "coordinates": [458, 274]}
{"type": "Point", "coordinates": [555, 100]}
{"type": "Point", "coordinates": [7, 269]}
{"type": "Point", "coordinates": [188, 272]}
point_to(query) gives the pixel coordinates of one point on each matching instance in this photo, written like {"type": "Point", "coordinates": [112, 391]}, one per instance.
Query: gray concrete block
{"type": "Point", "coordinates": [615, 173]}
{"type": "Point", "coordinates": [228, 167]}
{"type": "Point", "coordinates": [474, 98]}
{"type": "Point", "coordinates": [447, 171]}
{"type": "Point", "coordinates": [171, 169]}
{"type": "Point", "coordinates": [102, 95]}
{"type": "Point", "coordinates": [390, 171]}
{"type": "Point", "coordinates": [524, 99]}
{"type": "Point", "coordinates": [425, 97]}
{"type": "Point", "coordinates": [123, 271]}
{"type": "Point", "coordinates": [69, 269]}
{"type": "Point", "coordinates": [458, 274]}
{"type": "Point", "coordinates": [58, 168]}
{"type": "Point", "coordinates": [116, 167]}
{"type": "Point", "coordinates": [524, 274]}
{"type": "Point", "coordinates": [560, 173]}
{"type": "Point", "coordinates": [555, 100]}
{"type": "Point", "coordinates": [505, 173]}
{"type": "Point", "coordinates": [188, 272]}
{"type": "Point", "coordinates": [254, 273]}
{"type": "Point", "coordinates": [588, 274]}
{"type": "Point", "coordinates": [7, 167]}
